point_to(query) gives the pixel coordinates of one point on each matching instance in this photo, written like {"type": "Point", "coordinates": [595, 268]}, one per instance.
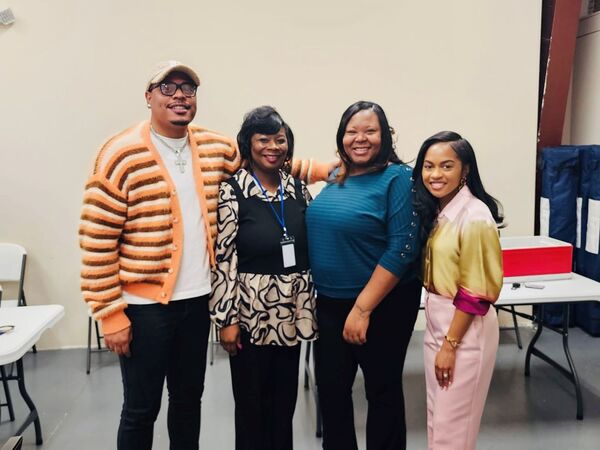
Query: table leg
{"type": "Point", "coordinates": [516, 326]}
{"type": "Point", "coordinates": [307, 364]}
{"type": "Point", "coordinates": [98, 335]}
{"type": "Point", "coordinates": [574, 377]}
{"type": "Point", "coordinates": [536, 336]}
{"type": "Point", "coordinates": [310, 379]}
{"type": "Point", "coordinates": [8, 404]}
{"type": "Point", "coordinates": [33, 414]}
{"type": "Point", "coordinates": [570, 373]}
{"type": "Point", "coordinates": [89, 347]}
{"type": "Point", "coordinates": [319, 431]}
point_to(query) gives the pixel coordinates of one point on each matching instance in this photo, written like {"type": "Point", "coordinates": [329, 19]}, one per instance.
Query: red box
{"type": "Point", "coordinates": [530, 258]}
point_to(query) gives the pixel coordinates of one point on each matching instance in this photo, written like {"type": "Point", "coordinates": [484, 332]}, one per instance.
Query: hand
{"type": "Point", "coordinates": [355, 328]}
{"type": "Point", "coordinates": [444, 365]}
{"type": "Point", "coordinates": [333, 165]}
{"type": "Point", "coordinates": [119, 342]}
{"type": "Point", "coordinates": [230, 338]}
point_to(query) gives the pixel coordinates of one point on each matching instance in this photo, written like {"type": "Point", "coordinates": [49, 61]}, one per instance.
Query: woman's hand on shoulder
{"type": "Point", "coordinates": [332, 165]}
{"type": "Point", "coordinates": [230, 338]}
{"type": "Point", "coordinates": [357, 324]}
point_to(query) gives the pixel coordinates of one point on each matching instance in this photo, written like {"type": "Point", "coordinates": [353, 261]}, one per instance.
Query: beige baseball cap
{"type": "Point", "coordinates": [164, 68]}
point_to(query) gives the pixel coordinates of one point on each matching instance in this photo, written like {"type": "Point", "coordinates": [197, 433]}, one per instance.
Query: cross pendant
{"type": "Point", "coordinates": [181, 163]}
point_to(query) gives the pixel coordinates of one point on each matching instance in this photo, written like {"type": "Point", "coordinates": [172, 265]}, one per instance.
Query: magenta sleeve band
{"type": "Point", "coordinates": [470, 304]}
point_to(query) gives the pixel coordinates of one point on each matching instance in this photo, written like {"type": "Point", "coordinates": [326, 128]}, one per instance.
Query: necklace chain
{"type": "Point", "coordinates": [180, 162]}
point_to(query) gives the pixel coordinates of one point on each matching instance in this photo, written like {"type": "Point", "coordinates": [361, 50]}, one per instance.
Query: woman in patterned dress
{"type": "Point", "coordinates": [463, 278]}
{"type": "Point", "coordinates": [263, 298]}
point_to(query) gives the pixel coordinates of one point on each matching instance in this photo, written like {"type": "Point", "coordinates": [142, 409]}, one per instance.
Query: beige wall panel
{"type": "Point", "coordinates": [73, 72]}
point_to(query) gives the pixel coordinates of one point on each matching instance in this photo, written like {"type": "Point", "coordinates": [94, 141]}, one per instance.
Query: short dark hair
{"type": "Point", "coordinates": [262, 120]}
{"type": "Point", "coordinates": [386, 154]}
{"type": "Point", "coordinates": [426, 205]}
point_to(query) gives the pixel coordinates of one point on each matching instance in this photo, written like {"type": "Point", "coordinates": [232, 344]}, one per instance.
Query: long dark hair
{"type": "Point", "coordinates": [426, 205]}
{"type": "Point", "coordinates": [263, 120]}
{"type": "Point", "coordinates": [386, 154]}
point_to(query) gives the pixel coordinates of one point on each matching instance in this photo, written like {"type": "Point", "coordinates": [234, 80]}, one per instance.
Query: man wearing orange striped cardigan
{"type": "Point", "coordinates": [147, 230]}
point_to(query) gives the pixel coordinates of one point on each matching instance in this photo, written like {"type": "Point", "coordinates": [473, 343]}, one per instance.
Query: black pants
{"type": "Point", "coordinates": [381, 359]}
{"type": "Point", "coordinates": [168, 341]}
{"type": "Point", "coordinates": [265, 388]}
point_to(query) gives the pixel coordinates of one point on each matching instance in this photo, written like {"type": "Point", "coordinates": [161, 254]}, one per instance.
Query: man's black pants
{"type": "Point", "coordinates": [168, 341]}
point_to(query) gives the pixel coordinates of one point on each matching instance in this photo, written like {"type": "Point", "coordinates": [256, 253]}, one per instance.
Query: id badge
{"type": "Point", "coordinates": [288, 252]}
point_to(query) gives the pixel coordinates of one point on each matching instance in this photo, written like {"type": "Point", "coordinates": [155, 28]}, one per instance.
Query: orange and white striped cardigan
{"type": "Point", "coordinates": [131, 232]}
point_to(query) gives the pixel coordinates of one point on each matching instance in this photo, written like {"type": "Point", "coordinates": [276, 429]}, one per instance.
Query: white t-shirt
{"type": "Point", "coordinates": [193, 279]}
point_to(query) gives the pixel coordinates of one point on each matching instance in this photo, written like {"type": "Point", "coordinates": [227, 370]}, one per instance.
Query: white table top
{"type": "Point", "coordinates": [575, 289]}
{"type": "Point", "coordinates": [29, 322]}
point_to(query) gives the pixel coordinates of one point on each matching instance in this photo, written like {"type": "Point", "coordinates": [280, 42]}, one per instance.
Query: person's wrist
{"type": "Point", "coordinates": [446, 347]}
{"type": "Point", "coordinates": [451, 342]}
{"type": "Point", "coordinates": [362, 311]}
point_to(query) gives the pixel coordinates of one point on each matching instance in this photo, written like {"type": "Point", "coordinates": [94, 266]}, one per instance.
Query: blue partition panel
{"type": "Point", "coordinates": [587, 315]}
{"type": "Point", "coordinates": [558, 209]}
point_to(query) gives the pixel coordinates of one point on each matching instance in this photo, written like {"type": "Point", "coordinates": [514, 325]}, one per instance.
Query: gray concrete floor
{"type": "Point", "coordinates": [80, 411]}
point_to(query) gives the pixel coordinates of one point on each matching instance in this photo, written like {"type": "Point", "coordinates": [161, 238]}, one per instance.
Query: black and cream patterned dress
{"type": "Point", "coordinates": [275, 305]}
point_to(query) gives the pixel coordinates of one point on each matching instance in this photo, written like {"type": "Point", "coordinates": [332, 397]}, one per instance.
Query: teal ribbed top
{"type": "Point", "coordinates": [368, 220]}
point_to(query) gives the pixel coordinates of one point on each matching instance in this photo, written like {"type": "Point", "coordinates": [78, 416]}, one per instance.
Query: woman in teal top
{"type": "Point", "coordinates": [363, 247]}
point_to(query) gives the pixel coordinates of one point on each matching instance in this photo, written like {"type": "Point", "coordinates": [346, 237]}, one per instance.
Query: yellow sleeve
{"type": "Point", "coordinates": [480, 262]}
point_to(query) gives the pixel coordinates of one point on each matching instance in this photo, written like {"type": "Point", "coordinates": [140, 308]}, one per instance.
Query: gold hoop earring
{"type": "Point", "coordinates": [462, 182]}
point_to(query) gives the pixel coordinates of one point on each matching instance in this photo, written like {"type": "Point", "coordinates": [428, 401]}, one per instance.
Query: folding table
{"type": "Point", "coordinates": [29, 323]}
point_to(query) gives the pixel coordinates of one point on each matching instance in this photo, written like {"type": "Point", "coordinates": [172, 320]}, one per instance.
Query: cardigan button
{"type": "Point", "coordinates": [163, 294]}
{"type": "Point", "coordinates": [174, 247]}
{"type": "Point", "coordinates": [170, 270]}
{"type": "Point", "coordinates": [175, 219]}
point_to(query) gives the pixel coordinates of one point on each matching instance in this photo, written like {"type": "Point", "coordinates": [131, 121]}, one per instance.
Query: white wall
{"type": "Point", "coordinates": [73, 72]}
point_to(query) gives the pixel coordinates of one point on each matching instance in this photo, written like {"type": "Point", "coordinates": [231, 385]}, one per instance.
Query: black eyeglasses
{"type": "Point", "coordinates": [169, 88]}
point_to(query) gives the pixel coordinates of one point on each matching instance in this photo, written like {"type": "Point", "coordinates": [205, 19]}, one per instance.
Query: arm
{"type": "Point", "coordinates": [446, 357]}
{"type": "Point", "coordinates": [224, 300]}
{"type": "Point", "coordinates": [311, 171]}
{"type": "Point", "coordinates": [400, 254]}
{"type": "Point", "coordinates": [480, 282]}
{"type": "Point", "coordinates": [380, 284]}
{"type": "Point", "coordinates": [228, 157]}
{"type": "Point", "coordinates": [234, 158]}
{"type": "Point", "coordinates": [102, 219]}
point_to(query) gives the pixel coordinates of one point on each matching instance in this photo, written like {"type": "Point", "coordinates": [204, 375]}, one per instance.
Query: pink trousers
{"type": "Point", "coordinates": [454, 415]}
